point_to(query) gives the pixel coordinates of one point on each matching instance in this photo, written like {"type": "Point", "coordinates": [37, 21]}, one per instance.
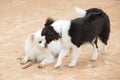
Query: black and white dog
{"type": "Point", "coordinates": [74, 33]}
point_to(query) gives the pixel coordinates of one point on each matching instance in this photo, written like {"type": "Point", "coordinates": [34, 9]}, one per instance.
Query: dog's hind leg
{"type": "Point", "coordinates": [104, 36]}
{"type": "Point", "coordinates": [95, 53]}
{"type": "Point", "coordinates": [104, 39]}
{"type": "Point", "coordinates": [104, 49]}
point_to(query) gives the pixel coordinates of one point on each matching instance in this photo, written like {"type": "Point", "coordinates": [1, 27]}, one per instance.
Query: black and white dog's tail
{"type": "Point", "coordinates": [90, 14]}
{"type": "Point", "coordinates": [80, 11]}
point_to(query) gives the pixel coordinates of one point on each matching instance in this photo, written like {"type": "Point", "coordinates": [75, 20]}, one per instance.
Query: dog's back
{"type": "Point", "coordinates": [95, 23]}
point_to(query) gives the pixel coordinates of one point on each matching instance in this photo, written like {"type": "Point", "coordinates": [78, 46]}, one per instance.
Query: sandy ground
{"type": "Point", "coordinates": [18, 18]}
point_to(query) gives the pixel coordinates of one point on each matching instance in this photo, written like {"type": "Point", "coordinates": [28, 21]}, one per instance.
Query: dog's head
{"type": "Point", "coordinates": [38, 40]}
{"type": "Point", "coordinates": [49, 32]}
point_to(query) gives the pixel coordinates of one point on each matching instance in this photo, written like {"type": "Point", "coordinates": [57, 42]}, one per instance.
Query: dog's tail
{"type": "Point", "coordinates": [80, 11]}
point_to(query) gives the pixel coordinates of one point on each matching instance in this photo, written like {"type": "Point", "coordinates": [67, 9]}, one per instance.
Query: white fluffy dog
{"type": "Point", "coordinates": [36, 51]}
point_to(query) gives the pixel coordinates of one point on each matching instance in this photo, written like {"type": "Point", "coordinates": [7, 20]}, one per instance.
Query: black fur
{"type": "Point", "coordinates": [49, 21]}
{"type": "Point", "coordinates": [48, 31]}
{"type": "Point", "coordinates": [95, 24]}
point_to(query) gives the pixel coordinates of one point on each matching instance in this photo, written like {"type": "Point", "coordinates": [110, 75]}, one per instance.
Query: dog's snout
{"type": "Point", "coordinates": [45, 45]}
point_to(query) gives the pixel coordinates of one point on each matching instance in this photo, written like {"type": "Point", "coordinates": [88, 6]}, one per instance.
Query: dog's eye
{"type": "Point", "coordinates": [40, 41]}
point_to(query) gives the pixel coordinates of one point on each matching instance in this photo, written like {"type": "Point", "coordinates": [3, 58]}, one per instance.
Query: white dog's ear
{"type": "Point", "coordinates": [32, 36]}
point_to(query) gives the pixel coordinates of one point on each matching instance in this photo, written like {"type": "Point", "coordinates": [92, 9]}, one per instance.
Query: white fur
{"type": "Point", "coordinates": [104, 49]}
{"type": "Point", "coordinates": [64, 52]}
{"type": "Point", "coordinates": [37, 51]}
{"type": "Point", "coordinates": [81, 12]}
{"type": "Point", "coordinates": [95, 53]}
{"type": "Point", "coordinates": [75, 55]}
{"type": "Point", "coordinates": [55, 47]}
{"type": "Point", "coordinates": [62, 27]}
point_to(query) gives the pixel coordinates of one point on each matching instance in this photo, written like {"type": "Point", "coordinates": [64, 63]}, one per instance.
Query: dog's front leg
{"type": "Point", "coordinates": [45, 62]}
{"type": "Point", "coordinates": [64, 52]}
{"type": "Point", "coordinates": [75, 56]}
{"type": "Point", "coordinates": [24, 60]}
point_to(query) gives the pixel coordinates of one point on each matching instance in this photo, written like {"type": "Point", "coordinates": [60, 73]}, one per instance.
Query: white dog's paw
{"type": "Point", "coordinates": [25, 60]}
{"type": "Point", "coordinates": [104, 49]}
{"type": "Point", "coordinates": [94, 58]}
{"type": "Point", "coordinates": [71, 65]}
{"type": "Point", "coordinates": [41, 65]}
{"type": "Point", "coordinates": [57, 66]}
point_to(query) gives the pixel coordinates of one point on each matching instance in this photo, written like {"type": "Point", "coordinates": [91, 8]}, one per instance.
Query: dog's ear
{"type": "Point", "coordinates": [32, 36]}
{"type": "Point", "coordinates": [49, 21]}
{"type": "Point", "coordinates": [50, 34]}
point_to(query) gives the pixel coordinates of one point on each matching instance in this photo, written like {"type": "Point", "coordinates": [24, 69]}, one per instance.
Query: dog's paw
{"type": "Point", "coordinates": [94, 58]}
{"type": "Point", "coordinates": [104, 51]}
{"type": "Point", "coordinates": [71, 65]}
{"type": "Point", "coordinates": [57, 66]}
{"type": "Point", "coordinates": [24, 61]}
{"type": "Point", "coordinates": [41, 65]}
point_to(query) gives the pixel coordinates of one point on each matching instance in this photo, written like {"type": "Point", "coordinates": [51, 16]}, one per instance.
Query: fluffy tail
{"type": "Point", "coordinates": [81, 12]}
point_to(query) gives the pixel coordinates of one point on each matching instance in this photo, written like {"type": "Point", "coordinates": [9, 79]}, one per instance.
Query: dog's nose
{"type": "Point", "coordinates": [45, 45]}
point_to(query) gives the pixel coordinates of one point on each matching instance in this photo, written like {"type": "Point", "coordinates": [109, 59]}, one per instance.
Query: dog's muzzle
{"type": "Point", "coordinates": [45, 45]}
